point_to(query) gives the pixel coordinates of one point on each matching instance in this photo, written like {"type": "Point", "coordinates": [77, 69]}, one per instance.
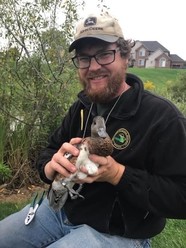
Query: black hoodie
{"type": "Point", "coordinates": [149, 138]}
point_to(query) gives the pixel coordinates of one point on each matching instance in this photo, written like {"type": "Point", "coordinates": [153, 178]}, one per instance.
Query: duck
{"type": "Point", "coordinates": [98, 143]}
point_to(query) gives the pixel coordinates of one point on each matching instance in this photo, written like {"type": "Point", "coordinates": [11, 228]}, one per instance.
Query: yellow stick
{"type": "Point", "coordinates": [81, 119]}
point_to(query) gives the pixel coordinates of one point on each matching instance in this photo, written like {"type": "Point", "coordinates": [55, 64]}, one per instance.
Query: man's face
{"type": "Point", "coordinates": [102, 82]}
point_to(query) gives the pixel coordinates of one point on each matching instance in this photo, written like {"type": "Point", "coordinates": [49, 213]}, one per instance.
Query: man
{"type": "Point", "coordinates": [144, 181]}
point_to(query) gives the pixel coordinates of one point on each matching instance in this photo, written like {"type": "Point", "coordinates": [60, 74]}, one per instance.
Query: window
{"type": "Point", "coordinates": [142, 52]}
{"type": "Point", "coordinates": [141, 62]}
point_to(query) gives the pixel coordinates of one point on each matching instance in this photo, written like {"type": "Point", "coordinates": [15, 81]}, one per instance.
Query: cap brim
{"type": "Point", "coordinates": [107, 38]}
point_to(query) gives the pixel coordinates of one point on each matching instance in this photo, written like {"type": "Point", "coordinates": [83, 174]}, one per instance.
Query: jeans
{"type": "Point", "coordinates": [53, 230]}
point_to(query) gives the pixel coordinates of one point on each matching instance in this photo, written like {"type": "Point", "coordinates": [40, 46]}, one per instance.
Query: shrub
{"type": "Point", "coordinates": [5, 173]}
{"type": "Point", "coordinates": [178, 88]}
{"type": "Point", "coordinates": [176, 92]}
{"type": "Point", "coordinates": [148, 85]}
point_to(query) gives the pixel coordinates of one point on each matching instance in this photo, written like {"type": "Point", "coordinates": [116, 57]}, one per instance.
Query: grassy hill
{"type": "Point", "coordinates": [158, 76]}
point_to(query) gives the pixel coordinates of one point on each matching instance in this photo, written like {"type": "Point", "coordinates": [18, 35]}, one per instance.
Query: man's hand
{"type": "Point", "coordinates": [59, 163]}
{"type": "Point", "coordinates": [108, 171]}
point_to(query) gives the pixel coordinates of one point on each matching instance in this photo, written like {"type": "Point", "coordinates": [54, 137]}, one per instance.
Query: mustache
{"type": "Point", "coordinates": [97, 73]}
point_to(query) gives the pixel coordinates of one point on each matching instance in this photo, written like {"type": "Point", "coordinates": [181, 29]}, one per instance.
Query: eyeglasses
{"type": "Point", "coordinates": [103, 58]}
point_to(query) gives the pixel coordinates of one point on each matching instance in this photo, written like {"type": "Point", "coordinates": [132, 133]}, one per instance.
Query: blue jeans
{"type": "Point", "coordinates": [53, 230]}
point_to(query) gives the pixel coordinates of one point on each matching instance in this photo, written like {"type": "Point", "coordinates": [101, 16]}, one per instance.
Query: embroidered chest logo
{"type": "Point", "coordinates": [121, 139]}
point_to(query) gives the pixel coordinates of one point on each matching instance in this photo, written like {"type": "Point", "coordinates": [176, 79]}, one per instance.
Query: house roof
{"type": "Point", "coordinates": [157, 54]}
{"type": "Point", "coordinates": [176, 58]}
{"type": "Point", "coordinates": [152, 46]}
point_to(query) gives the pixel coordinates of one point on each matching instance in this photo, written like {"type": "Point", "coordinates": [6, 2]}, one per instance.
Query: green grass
{"type": "Point", "coordinates": [173, 236]}
{"type": "Point", "coordinates": [158, 76]}
{"type": "Point", "coordinates": [7, 208]}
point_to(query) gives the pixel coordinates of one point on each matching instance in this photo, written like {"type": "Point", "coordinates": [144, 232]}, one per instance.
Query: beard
{"type": "Point", "coordinates": [109, 92]}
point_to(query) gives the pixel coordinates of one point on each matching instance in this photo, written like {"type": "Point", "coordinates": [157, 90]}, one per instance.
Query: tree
{"type": "Point", "coordinates": [36, 75]}
{"type": "Point", "coordinates": [38, 82]}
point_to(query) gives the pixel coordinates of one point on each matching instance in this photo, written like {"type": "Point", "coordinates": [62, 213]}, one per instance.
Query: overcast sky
{"type": "Point", "coordinates": [153, 20]}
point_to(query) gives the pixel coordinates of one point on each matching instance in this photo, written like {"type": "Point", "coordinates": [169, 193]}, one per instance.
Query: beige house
{"type": "Point", "coordinates": [151, 54]}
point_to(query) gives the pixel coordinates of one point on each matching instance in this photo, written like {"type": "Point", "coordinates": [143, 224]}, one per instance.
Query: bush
{"type": "Point", "coordinates": [5, 173]}
{"type": "Point", "coordinates": [176, 92]}
{"type": "Point", "coordinates": [178, 88]}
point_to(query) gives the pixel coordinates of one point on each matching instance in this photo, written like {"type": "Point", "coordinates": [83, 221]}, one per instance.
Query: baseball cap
{"type": "Point", "coordinates": [103, 27]}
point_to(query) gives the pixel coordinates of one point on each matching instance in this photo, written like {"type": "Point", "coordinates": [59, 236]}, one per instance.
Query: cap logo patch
{"type": "Point", "coordinates": [90, 21]}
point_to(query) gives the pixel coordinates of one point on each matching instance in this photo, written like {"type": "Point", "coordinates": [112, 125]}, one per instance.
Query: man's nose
{"type": "Point", "coordinates": [94, 64]}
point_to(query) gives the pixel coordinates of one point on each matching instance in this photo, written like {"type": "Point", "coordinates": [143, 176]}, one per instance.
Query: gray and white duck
{"type": "Point", "coordinates": [98, 143]}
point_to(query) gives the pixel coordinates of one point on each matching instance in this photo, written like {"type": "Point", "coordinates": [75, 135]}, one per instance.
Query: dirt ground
{"type": "Point", "coordinates": [22, 194]}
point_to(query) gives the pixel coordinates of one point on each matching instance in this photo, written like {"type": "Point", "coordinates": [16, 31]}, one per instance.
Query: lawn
{"type": "Point", "coordinates": [7, 208]}
{"type": "Point", "coordinates": [158, 76]}
{"type": "Point", "coordinates": [173, 236]}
